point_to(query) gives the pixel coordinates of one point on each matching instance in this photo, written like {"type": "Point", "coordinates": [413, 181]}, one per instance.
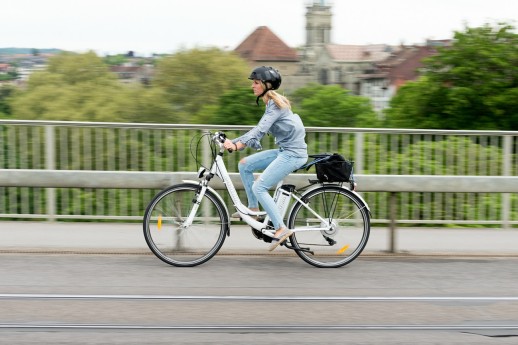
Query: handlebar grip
{"type": "Point", "coordinates": [222, 137]}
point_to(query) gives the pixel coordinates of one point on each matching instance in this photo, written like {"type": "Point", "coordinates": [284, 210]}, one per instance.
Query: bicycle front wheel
{"type": "Point", "coordinates": [173, 242]}
{"type": "Point", "coordinates": [342, 241]}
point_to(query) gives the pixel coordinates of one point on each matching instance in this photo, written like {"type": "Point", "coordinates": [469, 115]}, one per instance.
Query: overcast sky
{"type": "Point", "coordinates": [164, 26]}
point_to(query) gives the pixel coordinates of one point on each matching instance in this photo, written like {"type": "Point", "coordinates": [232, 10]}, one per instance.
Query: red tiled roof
{"type": "Point", "coordinates": [264, 45]}
{"type": "Point", "coordinates": [402, 65]}
{"type": "Point", "coordinates": [406, 63]}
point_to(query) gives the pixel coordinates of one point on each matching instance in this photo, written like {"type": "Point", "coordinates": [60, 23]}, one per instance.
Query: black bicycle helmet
{"type": "Point", "coordinates": [269, 76]}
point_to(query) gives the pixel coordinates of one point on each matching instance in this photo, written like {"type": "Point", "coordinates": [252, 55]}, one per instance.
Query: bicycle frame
{"type": "Point", "coordinates": [219, 169]}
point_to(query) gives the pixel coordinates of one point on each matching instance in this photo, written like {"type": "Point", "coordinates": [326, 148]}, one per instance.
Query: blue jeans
{"type": "Point", "coordinates": [277, 164]}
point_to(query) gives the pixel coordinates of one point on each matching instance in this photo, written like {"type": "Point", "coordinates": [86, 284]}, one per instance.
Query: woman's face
{"type": "Point", "coordinates": [257, 86]}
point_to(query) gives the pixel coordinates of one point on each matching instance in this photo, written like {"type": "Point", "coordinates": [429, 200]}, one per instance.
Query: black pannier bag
{"type": "Point", "coordinates": [334, 168]}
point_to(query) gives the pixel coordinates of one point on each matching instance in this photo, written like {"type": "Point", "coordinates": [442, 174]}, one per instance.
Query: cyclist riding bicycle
{"type": "Point", "coordinates": [276, 164]}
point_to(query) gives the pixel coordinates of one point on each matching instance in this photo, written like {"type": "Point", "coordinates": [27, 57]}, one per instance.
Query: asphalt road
{"type": "Point", "coordinates": [137, 299]}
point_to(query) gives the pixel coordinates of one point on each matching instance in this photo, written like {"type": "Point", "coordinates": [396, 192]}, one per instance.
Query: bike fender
{"type": "Point", "coordinates": [361, 198]}
{"type": "Point", "coordinates": [348, 190]}
{"type": "Point", "coordinates": [196, 183]}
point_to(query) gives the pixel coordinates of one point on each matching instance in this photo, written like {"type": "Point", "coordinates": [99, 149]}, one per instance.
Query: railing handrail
{"type": "Point", "coordinates": [148, 179]}
{"type": "Point", "coordinates": [237, 127]}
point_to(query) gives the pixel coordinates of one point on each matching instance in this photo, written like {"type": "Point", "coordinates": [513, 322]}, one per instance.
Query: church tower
{"type": "Point", "coordinates": [318, 24]}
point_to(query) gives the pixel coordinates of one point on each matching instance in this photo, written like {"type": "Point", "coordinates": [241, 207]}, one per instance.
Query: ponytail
{"type": "Point", "coordinates": [279, 100]}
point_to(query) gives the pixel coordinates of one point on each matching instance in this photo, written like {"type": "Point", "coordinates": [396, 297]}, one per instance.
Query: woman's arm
{"type": "Point", "coordinates": [229, 145]}
{"type": "Point", "coordinates": [253, 137]}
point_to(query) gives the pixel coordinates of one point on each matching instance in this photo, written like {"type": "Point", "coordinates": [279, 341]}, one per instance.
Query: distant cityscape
{"type": "Point", "coordinates": [373, 71]}
{"type": "Point", "coordinates": [17, 64]}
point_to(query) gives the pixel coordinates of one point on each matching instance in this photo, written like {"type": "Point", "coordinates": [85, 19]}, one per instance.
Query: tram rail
{"type": "Point", "coordinates": [263, 328]}
{"type": "Point", "coordinates": [15, 296]}
{"type": "Point", "coordinates": [507, 327]}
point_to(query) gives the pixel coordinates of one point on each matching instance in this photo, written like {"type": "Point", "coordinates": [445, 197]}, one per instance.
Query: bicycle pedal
{"type": "Point", "coordinates": [330, 240]}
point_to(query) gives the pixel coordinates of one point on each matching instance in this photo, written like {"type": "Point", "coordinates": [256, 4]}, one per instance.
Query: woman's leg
{"type": "Point", "coordinates": [282, 166]}
{"type": "Point", "coordinates": [248, 165]}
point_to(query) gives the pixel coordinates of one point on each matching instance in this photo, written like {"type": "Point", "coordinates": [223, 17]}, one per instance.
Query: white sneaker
{"type": "Point", "coordinates": [280, 239]}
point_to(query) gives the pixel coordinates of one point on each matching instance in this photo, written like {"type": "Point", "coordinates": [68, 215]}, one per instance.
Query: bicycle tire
{"type": "Point", "coordinates": [184, 247]}
{"type": "Point", "coordinates": [349, 234]}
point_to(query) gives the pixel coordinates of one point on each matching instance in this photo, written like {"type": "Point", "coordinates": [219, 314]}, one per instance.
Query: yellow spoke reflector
{"type": "Point", "coordinates": [159, 225]}
{"type": "Point", "coordinates": [344, 248]}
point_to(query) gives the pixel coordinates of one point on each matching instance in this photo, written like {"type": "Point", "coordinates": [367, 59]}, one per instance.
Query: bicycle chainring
{"type": "Point", "coordinates": [259, 235]}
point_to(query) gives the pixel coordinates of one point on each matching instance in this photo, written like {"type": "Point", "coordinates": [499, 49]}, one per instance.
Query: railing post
{"type": "Point", "coordinates": [50, 164]}
{"type": "Point", "coordinates": [393, 211]}
{"type": "Point", "coordinates": [358, 153]}
{"type": "Point", "coordinates": [506, 171]}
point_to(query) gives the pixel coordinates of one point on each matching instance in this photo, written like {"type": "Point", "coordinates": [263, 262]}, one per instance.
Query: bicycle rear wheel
{"type": "Point", "coordinates": [184, 246]}
{"type": "Point", "coordinates": [344, 240]}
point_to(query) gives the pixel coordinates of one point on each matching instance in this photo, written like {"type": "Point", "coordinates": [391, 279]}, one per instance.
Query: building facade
{"type": "Point", "coordinates": [375, 71]}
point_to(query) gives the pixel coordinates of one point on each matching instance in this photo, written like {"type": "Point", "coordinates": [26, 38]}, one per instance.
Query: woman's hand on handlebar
{"type": "Point", "coordinates": [229, 145]}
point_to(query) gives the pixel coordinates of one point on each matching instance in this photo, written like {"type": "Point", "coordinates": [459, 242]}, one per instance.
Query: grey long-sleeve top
{"type": "Point", "coordinates": [283, 124]}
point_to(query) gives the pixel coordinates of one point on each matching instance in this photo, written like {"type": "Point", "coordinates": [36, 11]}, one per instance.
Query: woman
{"type": "Point", "coordinates": [289, 133]}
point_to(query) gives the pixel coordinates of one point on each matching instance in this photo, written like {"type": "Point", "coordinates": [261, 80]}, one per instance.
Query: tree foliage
{"type": "Point", "coordinates": [115, 60]}
{"type": "Point", "coordinates": [73, 87]}
{"type": "Point", "coordinates": [6, 92]}
{"type": "Point", "coordinates": [148, 105]}
{"type": "Point", "coordinates": [471, 85]}
{"type": "Point", "coordinates": [332, 106]}
{"type": "Point", "coordinates": [197, 78]}
{"type": "Point", "coordinates": [238, 107]}
{"type": "Point", "coordinates": [80, 87]}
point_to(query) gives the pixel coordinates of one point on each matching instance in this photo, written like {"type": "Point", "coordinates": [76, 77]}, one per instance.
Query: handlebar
{"type": "Point", "coordinates": [219, 138]}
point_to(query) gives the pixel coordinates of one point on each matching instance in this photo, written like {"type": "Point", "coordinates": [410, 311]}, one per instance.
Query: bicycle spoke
{"type": "Point", "coordinates": [344, 236]}
{"type": "Point", "coordinates": [175, 243]}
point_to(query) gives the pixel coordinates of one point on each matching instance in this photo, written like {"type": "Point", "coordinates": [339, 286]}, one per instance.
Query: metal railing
{"type": "Point", "coordinates": [380, 155]}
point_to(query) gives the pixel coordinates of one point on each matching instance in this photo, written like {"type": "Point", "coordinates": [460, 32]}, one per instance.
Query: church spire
{"type": "Point", "coordinates": [318, 23]}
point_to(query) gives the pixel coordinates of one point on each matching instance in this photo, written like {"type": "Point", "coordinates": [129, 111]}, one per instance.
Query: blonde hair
{"type": "Point", "coordinates": [279, 100]}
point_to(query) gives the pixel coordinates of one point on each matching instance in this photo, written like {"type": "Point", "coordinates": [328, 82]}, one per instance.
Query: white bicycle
{"type": "Point", "coordinates": [186, 224]}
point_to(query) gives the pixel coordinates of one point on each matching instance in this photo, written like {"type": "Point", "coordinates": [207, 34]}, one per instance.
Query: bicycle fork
{"type": "Point", "coordinates": [196, 201]}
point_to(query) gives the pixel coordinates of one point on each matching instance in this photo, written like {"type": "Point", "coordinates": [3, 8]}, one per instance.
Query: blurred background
{"type": "Point", "coordinates": [462, 79]}
{"type": "Point", "coordinates": [437, 67]}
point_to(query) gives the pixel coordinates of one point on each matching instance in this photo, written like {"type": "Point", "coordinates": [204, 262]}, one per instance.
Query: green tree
{"type": "Point", "coordinates": [115, 60]}
{"type": "Point", "coordinates": [471, 85]}
{"type": "Point", "coordinates": [418, 104]}
{"type": "Point", "coordinates": [74, 68]}
{"type": "Point", "coordinates": [194, 79]}
{"type": "Point", "coordinates": [6, 92]}
{"type": "Point", "coordinates": [76, 87]}
{"type": "Point", "coordinates": [332, 106]}
{"type": "Point", "coordinates": [237, 107]}
{"type": "Point", "coordinates": [149, 105]}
